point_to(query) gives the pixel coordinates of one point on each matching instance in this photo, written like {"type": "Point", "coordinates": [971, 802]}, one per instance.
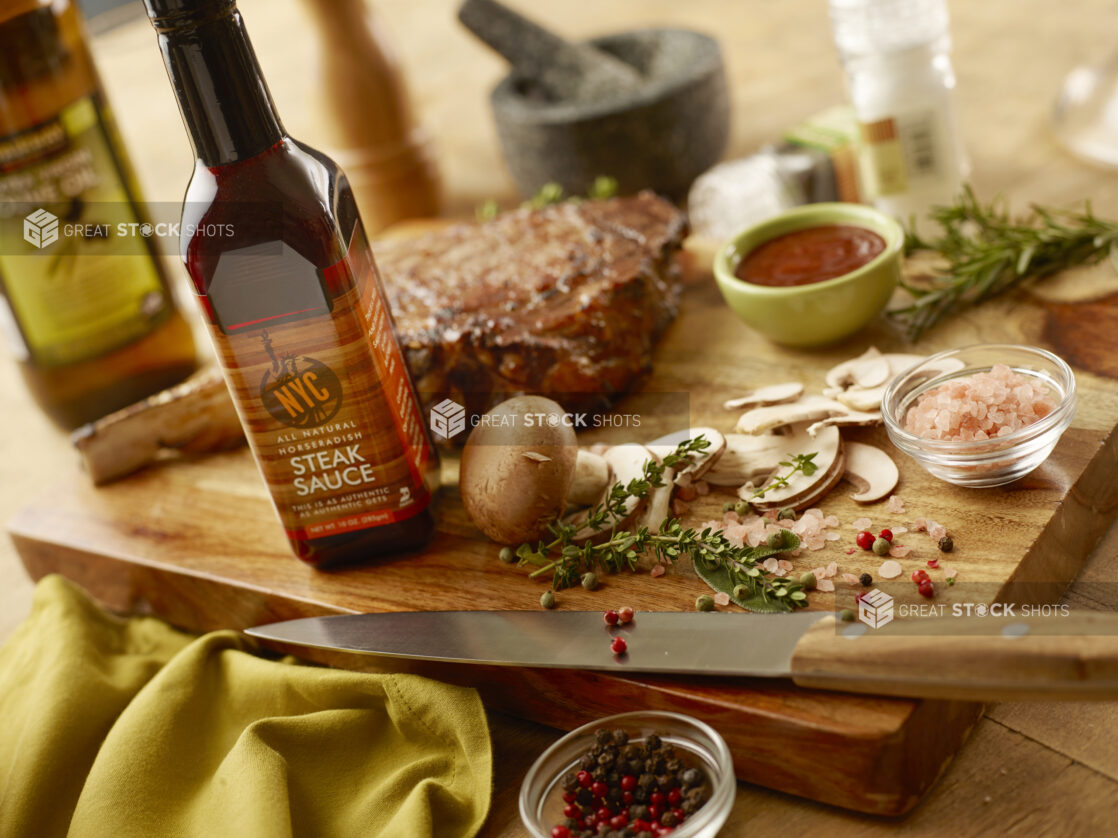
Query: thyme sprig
{"type": "Point", "coordinates": [986, 253]}
{"type": "Point", "coordinates": [621, 549]}
{"type": "Point", "coordinates": [799, 463]}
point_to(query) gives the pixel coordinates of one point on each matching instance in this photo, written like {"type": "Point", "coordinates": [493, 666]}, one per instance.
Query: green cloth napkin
{"type": "Point", "coordinates": [117, 728]}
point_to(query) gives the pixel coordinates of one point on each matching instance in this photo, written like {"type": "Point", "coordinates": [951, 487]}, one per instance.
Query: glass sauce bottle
{"type": "Point", "coordinates": [91, 320]}
{"type": "Point", "coordinates": [274, 245]}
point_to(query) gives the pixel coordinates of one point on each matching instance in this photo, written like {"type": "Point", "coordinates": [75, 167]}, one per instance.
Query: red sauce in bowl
{"type": "Point", "coordinates": [803, 257]}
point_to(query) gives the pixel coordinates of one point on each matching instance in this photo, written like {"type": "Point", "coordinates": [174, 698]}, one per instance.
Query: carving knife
{"type": "Point", "coordinates": [989, 658]}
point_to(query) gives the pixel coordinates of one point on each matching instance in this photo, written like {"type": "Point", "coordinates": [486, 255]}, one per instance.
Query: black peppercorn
{"type": "Point", "coordinates": [603, 737]}
{"type": "Point", "coordinates": [673, 766]}
{"type": "Point", "coordinates": [586, 762]}
{"type": "Point", "coordinates": [633, 752]}
{"type": "Point", "coordinates": [599, 773]}
{"type": "Point", "coordinates": [638, 811]}
{"type": "Point", "coordinates": [620, 737]}
{"type": "Point", "coordinates": [646, 781]}
{"type": "Point", "coordinates": [584, 797]}
{"type": "Point", "coordinates": [691, 777]}
{"type": "Point", "coordinates": [669, 818]}
{"type": "Point", "coordinates": [866, 580]}
{"type": "Point", "coordinates": [946, 544]}
{"type": "Point", "coordinates": [652, 743]}
{"type": "Point", "coordinates": [687, 807]}
{"type": "Point", "coordinates": [640, 795]}
{"type": "Point", "coordinates": [569, 781]}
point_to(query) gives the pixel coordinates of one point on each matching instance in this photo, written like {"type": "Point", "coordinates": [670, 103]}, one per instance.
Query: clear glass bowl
{"type": "Point", "coordinates": [541, 805]}
{"type": "Point", "coordinates": [990, 462]}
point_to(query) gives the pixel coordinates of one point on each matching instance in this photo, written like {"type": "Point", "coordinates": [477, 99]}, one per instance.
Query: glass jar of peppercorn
{"type": "Point", "coordinates": [634, 775]}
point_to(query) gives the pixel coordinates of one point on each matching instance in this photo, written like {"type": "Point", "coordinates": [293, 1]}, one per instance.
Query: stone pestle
{"type": "Point", "coordinates": [561, 70]}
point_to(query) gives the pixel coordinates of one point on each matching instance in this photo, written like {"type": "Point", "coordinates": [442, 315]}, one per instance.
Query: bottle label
{"type": "Point", "coordinates": [902, 152]}
{"type": "Point", "coordinates": [328, 407]}
{"type": "Point", "coordinates": [72, 297]}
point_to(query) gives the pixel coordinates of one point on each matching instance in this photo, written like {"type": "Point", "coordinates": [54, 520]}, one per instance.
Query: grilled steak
{"type": "Point", "coordinates": [566, 301]}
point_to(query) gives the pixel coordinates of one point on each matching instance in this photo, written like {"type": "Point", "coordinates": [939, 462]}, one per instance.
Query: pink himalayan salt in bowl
{"type": "Point", "coordinates": [982, 415]}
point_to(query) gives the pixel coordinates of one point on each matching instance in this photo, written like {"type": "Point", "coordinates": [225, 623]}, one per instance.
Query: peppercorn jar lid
{"type": "Point", "coordinates": [655, 772]}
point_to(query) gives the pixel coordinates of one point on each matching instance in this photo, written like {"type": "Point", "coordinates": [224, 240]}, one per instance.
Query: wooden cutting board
{"type": "Point", "coordinates": [196, 542]}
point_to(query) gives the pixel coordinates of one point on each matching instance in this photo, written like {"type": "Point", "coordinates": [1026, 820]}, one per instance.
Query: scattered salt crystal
{"type": "Point", "coordinates": [770, 565]}
{"type": "Point", "coordinates": [850, 579]}
{"type": "Point", "coordinates": [831, 521]}
{"type": "Point", "coordinates": [825, 585]}
{"type": "Point", "coordinates": [936, 531]}
{"type": "Point", "coordinates": [889, 569]}
{"type": "Point", "coordinates": [899, 531]}
{"type": "Point", "coordinates": [899, 551]}
{"type": "Point", "coordinates": [721, 598]}
{"type": "Point", "coordinates": [994, 403]}
{"type": "Point", "coordinates": [784, 566]}
{"type": "Point", "coordinates": [820, 573]}
{"type": "Point", "coordinates": [831, 536]}
{"type": "Point", "coordinates": [813, 513]}
{"type": "Point", "coordinates": [771, 514]}
{"type": "Point", "coordinates": [950, 573]}
{"type": "Point", "coordinates": [919, 525]}
{"type": "Point", "coordinates": [832, 569]}
{"type": "Point", "coordinates": [657, 570]}
{"type": "Point", "coordinates": [895, 505]}
{"type": "Point", "coordinates": [862, 524]}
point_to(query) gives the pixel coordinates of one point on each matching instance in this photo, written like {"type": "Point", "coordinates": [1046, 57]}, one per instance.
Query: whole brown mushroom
{"type": "Point", "coordinates": [517, 468]}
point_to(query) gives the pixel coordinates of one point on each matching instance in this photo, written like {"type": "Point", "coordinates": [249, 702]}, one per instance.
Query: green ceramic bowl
{"type": "Point", "coordinates": [822, 312]}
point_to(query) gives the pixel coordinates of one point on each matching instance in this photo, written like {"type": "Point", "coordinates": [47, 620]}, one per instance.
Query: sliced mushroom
{"type": "Point", "coordinates": [592, 477]}
{"type": "Point", "coordinates": [762, 396]}
{"type": "Point", "coordinates": [627, 463]}
{"type": "Point", "coordinates": [802, 489]}
{"type": "Point", "coordinates": [809, 409]}
{"type": "Point", "coordinates": [862, 400]}
{"type": "Point", "coordinates": [852, 419]}
{"type": "Point", "coordinates": [514, 477]}
{"type": "Point", "coordinates": [701, 461]}
{"type": "Point", "coordinates": [843, 375]}
{"type": "Point", "coordinates": [659, 502]}
{"type": "Point", "coordinates": [813, 493]}
{"type": "Point", "coordinates": [747, 458]}
{"type": "Point", "coordinates": [872, 472]}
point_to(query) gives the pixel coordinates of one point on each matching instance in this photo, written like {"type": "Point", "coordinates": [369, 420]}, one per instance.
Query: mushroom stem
{"type": "Point", "coordinates": [592, 476]}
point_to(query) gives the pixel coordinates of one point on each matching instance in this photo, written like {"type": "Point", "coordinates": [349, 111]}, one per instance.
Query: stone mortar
{"type": "Point", "coordinates": [660, 137]}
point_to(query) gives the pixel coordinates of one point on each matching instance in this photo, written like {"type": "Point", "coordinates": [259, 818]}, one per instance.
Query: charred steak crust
{"type": "Point", "coordinates": [566, 301]}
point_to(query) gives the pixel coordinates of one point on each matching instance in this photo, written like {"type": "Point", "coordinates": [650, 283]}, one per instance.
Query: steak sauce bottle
{"type": "Point", "coordinates": [287, 285]}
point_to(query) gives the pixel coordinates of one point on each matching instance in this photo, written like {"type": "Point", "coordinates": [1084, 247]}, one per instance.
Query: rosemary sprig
{"type": "Point", "coordinates": [566, 560]}
{"type": "Point", "coordinates": [987, 253]}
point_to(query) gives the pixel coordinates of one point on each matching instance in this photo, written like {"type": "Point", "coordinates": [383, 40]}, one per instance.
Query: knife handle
{"type": "Point", "coordinates": [967, 658]}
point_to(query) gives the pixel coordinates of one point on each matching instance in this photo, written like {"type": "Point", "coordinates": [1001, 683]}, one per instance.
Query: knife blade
{"type": "Point", "coordinates": [979, 658]}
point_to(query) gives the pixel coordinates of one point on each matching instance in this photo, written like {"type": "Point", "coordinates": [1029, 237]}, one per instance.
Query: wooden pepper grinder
{"type": "Point", "coordinates": [366, 120]}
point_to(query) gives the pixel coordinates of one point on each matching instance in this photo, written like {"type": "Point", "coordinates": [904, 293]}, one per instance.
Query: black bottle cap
{"type": "Point", "coordinates": [172, 14]}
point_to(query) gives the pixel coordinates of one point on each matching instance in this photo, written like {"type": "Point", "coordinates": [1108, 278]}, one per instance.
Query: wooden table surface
{"type": "Point", "coordinates": [1028, 769]}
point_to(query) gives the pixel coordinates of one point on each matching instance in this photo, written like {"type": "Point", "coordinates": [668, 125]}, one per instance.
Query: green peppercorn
{"type": "Point", "coordinates": [589, 580]}
{"type": "Point", "coordinates": [728, 506]}
{"type": "Point", "coordinates": [846, 615]}
{"type": "Point", "coordinates": [547, 599]}
{"type": "Point", "coordinates": [507, 555]}
{"type": "Point", "coordinates": [808, 581]}
{"type": "Point", "coordinates": [775, 539]}
{"type": "Point", "coordinates": [704, 603]}
{"type": "Point", "coordinates": [787, 513]}
{"type": "Point", "coordinates": [740, 592]}
{"type": "Point", "coordinates": [866, 580]}
{"type": "Point", "coordinates": [881, 546]}
{"type": "Point", "coordinates": [742, 507]}
{"type": "Point", "coordinates": [946, 544]}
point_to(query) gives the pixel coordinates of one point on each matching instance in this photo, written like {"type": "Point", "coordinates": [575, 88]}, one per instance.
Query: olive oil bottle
{"type": "Point", "coordinates": [299, 321]}
{"type": "Point", "coordinates": [89, 315]}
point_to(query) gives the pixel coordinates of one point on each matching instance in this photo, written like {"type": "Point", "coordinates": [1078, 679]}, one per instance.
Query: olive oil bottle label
{"type": "Point", "coordinates": [79, 295]}
{"type": "Point", "coordinates": [323, 394]}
